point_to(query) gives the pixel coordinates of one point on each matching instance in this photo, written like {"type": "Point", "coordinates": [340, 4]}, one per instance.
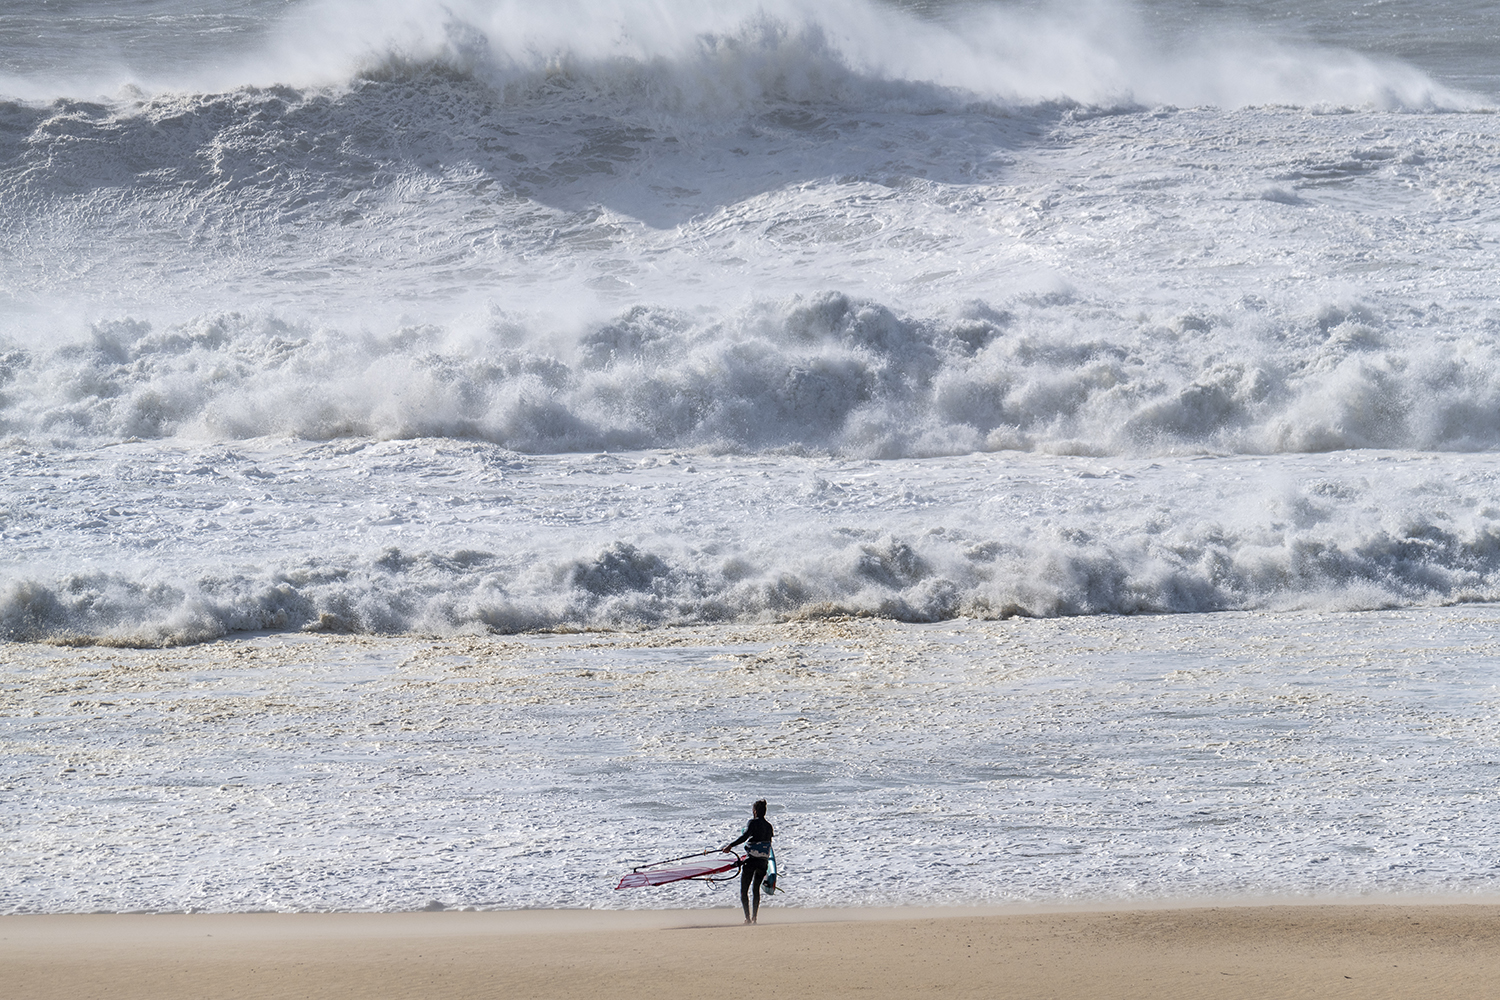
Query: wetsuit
{"type": "Point", "coordinates": [758, 833]}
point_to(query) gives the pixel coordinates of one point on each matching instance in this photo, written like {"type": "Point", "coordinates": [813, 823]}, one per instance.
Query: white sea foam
{"type": "Point", "coordinates": [825, 373]}
{"type": "Point", "coordinates": [782, 235]}
{"type": "Point", "coordinates": [138, 545]}
{"type": "Point", "coordinates": [1108, 759]}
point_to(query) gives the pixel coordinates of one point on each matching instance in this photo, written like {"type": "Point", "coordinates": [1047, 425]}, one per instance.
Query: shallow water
{"type": "Point", "coordinates": [1084, 759]}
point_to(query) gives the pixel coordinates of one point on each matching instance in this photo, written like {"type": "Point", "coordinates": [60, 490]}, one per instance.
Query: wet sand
{"type": "Point", "coordinates": [1367, 950]}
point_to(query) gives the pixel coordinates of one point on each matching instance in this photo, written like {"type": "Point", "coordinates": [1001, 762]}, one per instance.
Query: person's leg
{"type": "Point", "coordinates": [760, 874]}
{"type": "Point", "coordinates": [746, 871]}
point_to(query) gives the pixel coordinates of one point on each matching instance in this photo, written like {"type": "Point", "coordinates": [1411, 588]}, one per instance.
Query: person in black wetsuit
{"type": "Point", "coordinates": [757, 841]}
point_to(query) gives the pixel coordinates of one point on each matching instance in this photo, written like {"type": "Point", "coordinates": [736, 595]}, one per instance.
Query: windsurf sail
{"type": "Point", "coordinates": [703, 866]}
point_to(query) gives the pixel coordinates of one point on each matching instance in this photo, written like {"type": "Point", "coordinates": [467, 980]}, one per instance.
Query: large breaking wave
{"type": "Point", "coordinates": [325, 152]}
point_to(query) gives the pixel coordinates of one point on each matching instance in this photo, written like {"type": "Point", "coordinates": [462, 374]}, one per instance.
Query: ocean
{"type": "Point", "coordinates": [453, 452]}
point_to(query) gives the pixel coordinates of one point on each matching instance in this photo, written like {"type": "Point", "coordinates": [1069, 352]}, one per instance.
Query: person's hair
{"type": "Point", "coordinates": [760, 808]}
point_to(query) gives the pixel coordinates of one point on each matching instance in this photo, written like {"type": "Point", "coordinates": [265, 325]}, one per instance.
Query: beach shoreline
{"type": "Point", "coordinates": [1367, 949]}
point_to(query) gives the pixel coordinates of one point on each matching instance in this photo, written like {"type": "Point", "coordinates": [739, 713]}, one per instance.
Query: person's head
{"type": "Point", "coordinates": [760, 808]}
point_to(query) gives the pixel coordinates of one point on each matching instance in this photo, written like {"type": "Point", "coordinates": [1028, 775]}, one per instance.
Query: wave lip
{"type": "Point", "coordinates": [714, 59]}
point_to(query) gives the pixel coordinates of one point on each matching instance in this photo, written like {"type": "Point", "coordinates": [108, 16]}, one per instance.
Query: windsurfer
{"type": "Point", "coordinates": [757, 840]}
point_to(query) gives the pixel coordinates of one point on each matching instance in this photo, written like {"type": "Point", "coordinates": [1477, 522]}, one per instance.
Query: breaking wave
{"type": "Point", "coordinates": [824, 374]}
{"type": "Point", "coordinates": [501, 96]}
{"type": "Point", "coordinates": [1190, 566]}
{"type": "Point", "coordinates": [713, 58]}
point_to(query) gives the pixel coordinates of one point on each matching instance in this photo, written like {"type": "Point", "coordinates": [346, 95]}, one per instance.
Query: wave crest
{"type": "Point", "coordinates": [712, 59]}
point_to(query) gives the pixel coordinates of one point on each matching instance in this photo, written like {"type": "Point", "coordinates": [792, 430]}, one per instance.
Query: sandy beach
{"type": "Point", "coordinates": [1206, 952]}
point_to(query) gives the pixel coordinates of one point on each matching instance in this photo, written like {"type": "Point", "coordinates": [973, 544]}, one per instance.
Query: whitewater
{"type": "Point", "coordinates": [449, 445]}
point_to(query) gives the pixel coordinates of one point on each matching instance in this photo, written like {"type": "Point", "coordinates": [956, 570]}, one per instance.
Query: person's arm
{"type": "Point", "coordinates": [738, 840]}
